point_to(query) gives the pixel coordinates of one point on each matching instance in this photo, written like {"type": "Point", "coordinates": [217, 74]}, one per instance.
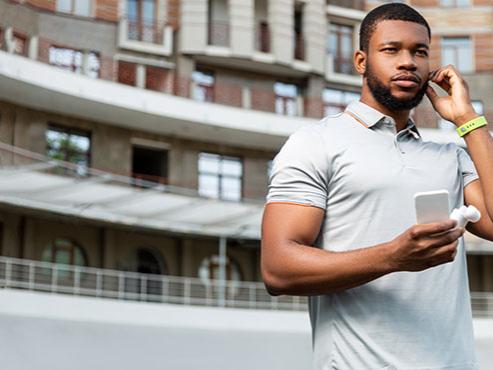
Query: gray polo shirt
{"type": "Point", "coordinates": [364, 175]}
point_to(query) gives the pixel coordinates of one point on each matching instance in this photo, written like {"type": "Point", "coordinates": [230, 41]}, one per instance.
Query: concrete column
{"type": "Point", "coordinates": [281, 20]}
{"type": "Point", "coordinates": [33, 48]}
{"type": "Point", "coordinates": [140, 78]}
{"type": "Point", "coordinates": [242, 26]}
{"type": "Point", "coordinates": [313, 95]}
{"type": "Point", "coordinates": [315, 34]}
{"type": "Point", "coordinates": [193, 27]}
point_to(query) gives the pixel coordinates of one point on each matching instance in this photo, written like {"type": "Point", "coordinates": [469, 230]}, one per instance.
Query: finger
{"type": "Point", "coordinates": [423, 230]}
{"type": "Point", "coordinates": [432, 95]}
{"type": "Point", "coordinates": [446, 238]}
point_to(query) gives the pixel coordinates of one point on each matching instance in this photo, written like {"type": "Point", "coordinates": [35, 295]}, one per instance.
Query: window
{"type": "Point", "coordinates": [142, 24]}
{"type": "Point", "coordinates": [20, 44]}
{"type": "Point", "coordinates": [286, 98]}
{"type": "Point", "coordinates": [299, 43]}
{"type": "Point", "coordinates": [220, 176]}
{"type": "Point", "coordinates": [454, 3]}
{"type": "Point", "coordinates": [150, 164]}
{"type": "Point", "coordinates": [64, 251]}
{"type": "Point", "coordinates": [335, 101]}
{"type": "Point", "coordinates": [127, 73]}
{"type": "Point", "coordinates": [218, 17]}
{"type": "Point", "coordinates": [70, 145]}
{"type": "Point", "coordinates": [262, 36]}
{"type": "Point", "coordinates": [340, 47]}
{"type": "Point", "coordinates": [458, 52]}
{"type": "Point", "coordinates": [75, 7]}
{"type": "Point", "coordinates": [203, 86]}
{"type": "Point", "coordinates": [75, 61]}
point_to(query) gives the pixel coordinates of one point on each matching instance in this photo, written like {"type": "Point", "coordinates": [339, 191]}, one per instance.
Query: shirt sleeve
{"type": "Point", "coordinates": [466, 166]}
{"type": "Point", "coordinates": [300, 170]}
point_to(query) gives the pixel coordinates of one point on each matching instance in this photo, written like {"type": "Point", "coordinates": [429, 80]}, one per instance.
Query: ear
{"type": "Point", "coordinates": [360, 61]}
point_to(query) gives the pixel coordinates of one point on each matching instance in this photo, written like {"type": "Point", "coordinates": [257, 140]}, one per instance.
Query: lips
{"type": "Point", "coordinates": [406, 81]}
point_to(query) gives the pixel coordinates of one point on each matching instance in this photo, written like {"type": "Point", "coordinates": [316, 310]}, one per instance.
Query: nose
{"type": "Point", "coordinates": [407, 61]}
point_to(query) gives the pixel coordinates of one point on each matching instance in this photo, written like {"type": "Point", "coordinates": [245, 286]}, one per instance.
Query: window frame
{"type": "Point", "coordinates": [456, 60]}
{"type": "Point", "coordinates": [336, 28]}
{"type": "Point", "coordinates": [72, 8]}
{"type": "Point", "coordinates": [70, 131]}
{"type": "Point", "coordinates": [220, 176]}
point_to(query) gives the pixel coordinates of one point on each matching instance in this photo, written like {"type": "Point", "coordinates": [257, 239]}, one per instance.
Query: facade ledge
{"type": "Point", "coordinates": [347, 13]}
{"type": "Point", "coordinates": [36, 85]}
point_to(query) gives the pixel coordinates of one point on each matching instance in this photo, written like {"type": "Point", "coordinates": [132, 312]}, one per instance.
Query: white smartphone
{"type": "Point", "coordinates": [432, 206]}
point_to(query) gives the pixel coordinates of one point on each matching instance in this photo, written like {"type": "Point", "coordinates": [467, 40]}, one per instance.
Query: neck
{"type": "Point", "coordinates": [400, 117]}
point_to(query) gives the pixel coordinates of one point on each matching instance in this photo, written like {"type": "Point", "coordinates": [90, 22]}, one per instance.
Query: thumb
{"type": "Point", "coordinates": [432, 95]}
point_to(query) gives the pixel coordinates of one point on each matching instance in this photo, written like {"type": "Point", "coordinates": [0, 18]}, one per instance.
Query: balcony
{"type": "Point", "coordinates": [131, 286]}
{"type": "Point", "coordinates": [145, 35]}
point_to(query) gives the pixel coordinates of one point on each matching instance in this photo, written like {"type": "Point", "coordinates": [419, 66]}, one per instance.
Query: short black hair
{"type": "Point", "coordinates": [392, 11]}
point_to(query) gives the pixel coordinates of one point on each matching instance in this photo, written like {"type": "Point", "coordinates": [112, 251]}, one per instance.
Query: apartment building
{"type": "Point", "coordinates": [163, 117]}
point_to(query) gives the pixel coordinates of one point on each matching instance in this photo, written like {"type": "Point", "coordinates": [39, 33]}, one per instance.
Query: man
{"type": "Point", "coordinates": [339, 224]}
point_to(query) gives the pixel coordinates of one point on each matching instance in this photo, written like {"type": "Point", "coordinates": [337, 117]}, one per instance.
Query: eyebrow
{"type": "Point", "coordinates": [398, 43]}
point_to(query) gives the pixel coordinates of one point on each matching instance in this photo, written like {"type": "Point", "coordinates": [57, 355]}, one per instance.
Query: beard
{"type": "Point", "coordinates": [384, 96]}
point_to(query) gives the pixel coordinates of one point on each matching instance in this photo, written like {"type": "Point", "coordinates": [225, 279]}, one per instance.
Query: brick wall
{"type": "Point", "coordinates": [227, 93]}
{"type": "Point", "coordinates": [425, 3]}
{"type": "Point", "coordinates": [483, 50]}
{"type": "Point", "coordinates": [483, 2]}
{"type": "Point", "coordinates": [43, 4]}
{"type": "Point", "coordinates": [127, 73]}
{"type": "Point", "coordinates": [435, 52]}
{"type": "Point", "coordinates": [174, 13]}
{"type": "Point", "coordinates": [156, 78]}
{"type": "Point", "coordinates": [107, 10]}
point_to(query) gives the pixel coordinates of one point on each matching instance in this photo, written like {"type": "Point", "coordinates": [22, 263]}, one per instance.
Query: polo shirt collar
{"type": "Point", "coordinates": [369, 117]}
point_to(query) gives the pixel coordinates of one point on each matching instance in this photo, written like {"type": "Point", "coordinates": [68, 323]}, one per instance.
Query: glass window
{"type": "Point", "coordinates": [69, 145]}
{"type": "Point", "coordinates": [74, 61]}
{"type": "Point", "coordinates": [220, 177]}
{"type": "Point", "coordinates": [341, 47]}
{"type": "Point", "coordinates": [454, 3]}
{"type": "Point", "coordinates": [286, 98]}
{"type": "Point", "coordinates": [66, 252]}
{"type": "Point", "coordinates": [76, 7]}
{"type": "Point", "coordinates": [335, 101]}
{"type": "Point", "coordinates": [142, 25]}
{"type": "Point", "coordinates": [203, 86]}
{"type": "Point", "coordinates": [458, 52]}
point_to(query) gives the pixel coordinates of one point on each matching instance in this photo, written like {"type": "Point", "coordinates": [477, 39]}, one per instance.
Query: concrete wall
{"type": "Point", "coordinates": [56, 332]}
{"type": "Point", "coordinates": [43, 331]}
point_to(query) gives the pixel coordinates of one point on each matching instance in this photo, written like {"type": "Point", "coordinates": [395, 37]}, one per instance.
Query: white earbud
{"type": "Point", "coordinates": [464, 214]}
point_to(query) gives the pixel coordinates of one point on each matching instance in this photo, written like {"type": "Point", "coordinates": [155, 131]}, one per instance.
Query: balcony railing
{"type": "Point", "coordinates": [145, 30]}
{"type": "Point", "coordinates": [218, 33]}
{"type": "Point", "coordinates": [103, 283]}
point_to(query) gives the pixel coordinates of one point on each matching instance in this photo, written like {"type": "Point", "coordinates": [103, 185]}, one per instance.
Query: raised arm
{"type": "Point", "coordinates": [291, 265]}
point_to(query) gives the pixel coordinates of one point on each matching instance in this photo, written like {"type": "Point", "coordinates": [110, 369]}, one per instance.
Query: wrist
{"type": "Point", "coordinates": [389, 262]}
{"type": "Point", "coordinates": [462, 119]}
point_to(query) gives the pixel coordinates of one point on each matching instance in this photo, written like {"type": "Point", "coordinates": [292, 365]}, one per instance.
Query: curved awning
{"type": "Point", "coordinates": [99, 196]}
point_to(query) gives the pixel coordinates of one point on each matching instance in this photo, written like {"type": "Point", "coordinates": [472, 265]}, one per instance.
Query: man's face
{"type": "Point", "coordinates": [397, 64]}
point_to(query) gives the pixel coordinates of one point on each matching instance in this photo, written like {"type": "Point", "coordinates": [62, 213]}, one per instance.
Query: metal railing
{"type": "Point", "coordinates": [104, 283]}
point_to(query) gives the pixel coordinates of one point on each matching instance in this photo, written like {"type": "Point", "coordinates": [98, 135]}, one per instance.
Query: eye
{"type": "Point", "coordinates": [422, 52]}
{"type": "Point", "coordinates": [390, 49]}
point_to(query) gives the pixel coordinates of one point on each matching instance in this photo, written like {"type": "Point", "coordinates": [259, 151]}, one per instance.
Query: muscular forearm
{"type": "Point", "coordinates": [311, 271]}
{"type": "Point", "coordinates": [480, 145]}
